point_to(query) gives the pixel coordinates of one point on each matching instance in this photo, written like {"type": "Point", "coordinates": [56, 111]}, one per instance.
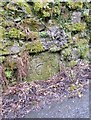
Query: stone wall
{"type": "Point", "coordinates": [51, 39]}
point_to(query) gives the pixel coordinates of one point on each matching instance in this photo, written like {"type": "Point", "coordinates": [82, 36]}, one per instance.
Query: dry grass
{"type": "Point", "coordinates": [3, 79]}
{"type": "Point", "coordinates": [22, 64]}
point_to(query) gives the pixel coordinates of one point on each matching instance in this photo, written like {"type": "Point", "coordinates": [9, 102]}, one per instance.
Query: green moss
{"type": "Point", "coordinates": [66, 52]}
{"type": "Point", "coordinates": [20, 4]}
{"type": "Point", "coordinates": [75, 5]}
{"type": "Point", "coordinates": [4, 47]}
{"type": "Point", "coordinates": [80, 42]}
{"type": "Point", "coordinates": [8, 74]}
{"type": "Point", "coordinates": [2, 58]}
{"type": "Point", "coordinates": [46, 14]}
{"type": "Point", "coordinates": [37, 6]}
{"type": "Point", "coordinates": [5, 51]}
{"type": "Point", "coordinates": [34, 47]}
{"type": "Point", "coordinates": [1, 45]}
{"type": "Point", "coordinates": [76, 27]}
{"type": "Point", "coordinates": [70, 41]}
{"type": "Point", "coordinates": [84, 51]}
{"type": "Point", "coordinates": [82, 46]}
{"type": "Point", "coordinates": [11, 7]}
{"type": "Point", "coordinates": [86, 12]}
{"type": "Point", "coordinates": [54, 48]}
{"type": "Point", "coordinates": [87, 18]}
{"type": "Point", "coordinates": [72, 63]}
{"type": "Point", "coordinates": [16, 34]}
{"type": "Point", "coordinates": [25, 6]}
{"type": "Point", "coordinates": [7, 23]}
{"type": "Point", "coordinates": [2, 30]}
{"type": "Point", "coordinates": [43, 34]}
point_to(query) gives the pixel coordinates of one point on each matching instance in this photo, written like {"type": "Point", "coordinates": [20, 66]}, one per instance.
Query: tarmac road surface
{"type": "Point", "coordinates": [69, 108]}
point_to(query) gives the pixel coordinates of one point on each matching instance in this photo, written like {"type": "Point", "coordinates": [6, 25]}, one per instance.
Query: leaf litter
{"type": "Point", "coordinates": [19, 100]}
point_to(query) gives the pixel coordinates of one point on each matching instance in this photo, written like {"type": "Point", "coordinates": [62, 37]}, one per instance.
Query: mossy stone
{"type": "Point", "coordinates": [32, 24]}
{"type": "Point", "coordinates": [7, 23]}
{"type": "Point", "coordinates": [16, 34]}
{"type": "Point", "coordinates": [72, 63]}
{"type": "Point", "coordinates": [34, 47]}
{"type": "Point", "coordinates": [83, 51]}
{"type": "Point", "coordinates": [2, 58]}
{"type": "Point", "coordinates": [2, 30]}
{"type": "Point", "coordinates": [4, 52]}
{"type": "Point", "coordinates": [1, 45]}
{"type": "Point", "coordinates": [43, 66]}
{"type": "Point", "coordinates": [76, 27]}
{"type": "Point", "coordinates": [54, 48]}
{"type": "Point", "coordinates": [66, 52]}
{"type": "Point", "coordinates": [75, 5]}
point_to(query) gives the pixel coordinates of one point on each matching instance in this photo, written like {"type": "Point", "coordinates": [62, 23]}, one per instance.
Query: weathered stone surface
{"type": "Point", "coordinates": [43, 66]}
{"type": "Point", "coordinates": [14, 49]}
{"type": "Point", "coordinates": [57, 40]}
{"type": "Point", "coordinates": [8, 48]}
{"type": "Point", "coordinates": [76, 17]}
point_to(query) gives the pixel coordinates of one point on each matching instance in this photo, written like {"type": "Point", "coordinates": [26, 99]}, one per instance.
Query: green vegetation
{"type": "Point", "coordinates": [75, 5]}
{"type": "Point", "coordinates": [34, 47]}
{"type": "Point", "coordinates": [8, 74]}
{"type": "Point", "coordinates": [16, 34]}
{"type": "Point", "coordinates": [43, 34]}
{"type": "Point", "coordinates": [76, 27]}
{"type": "Point", "coordinates": [72, 63]}
{"type": "Point", "coordinates": [28, 23]}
